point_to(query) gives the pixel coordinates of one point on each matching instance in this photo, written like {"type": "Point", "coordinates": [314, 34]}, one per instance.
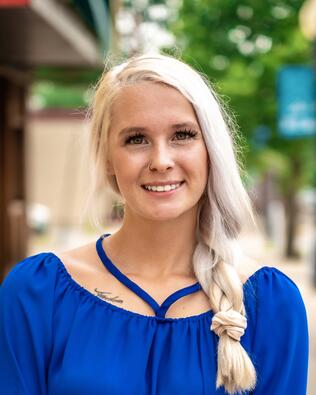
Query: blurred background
{"type": "Point", "coordinates": [260, 57]}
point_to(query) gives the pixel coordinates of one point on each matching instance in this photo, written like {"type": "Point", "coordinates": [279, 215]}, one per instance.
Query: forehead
{"type": "Point", "coordinates": [149, 100]}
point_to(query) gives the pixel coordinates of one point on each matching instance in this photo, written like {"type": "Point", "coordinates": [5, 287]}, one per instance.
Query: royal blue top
{"type": "Point", "coordinates": [57, 338]}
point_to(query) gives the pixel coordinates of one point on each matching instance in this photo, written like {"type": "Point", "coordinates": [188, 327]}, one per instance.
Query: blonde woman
{"type": "Point", "coordinates": [167, 304]}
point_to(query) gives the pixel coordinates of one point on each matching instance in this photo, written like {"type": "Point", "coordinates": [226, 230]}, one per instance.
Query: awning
{"type": "Point", "coordinates": [45, 32]}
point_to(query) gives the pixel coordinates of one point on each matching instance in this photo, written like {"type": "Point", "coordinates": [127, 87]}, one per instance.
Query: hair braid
{"type": "Point", "coordinates": [218, 276]}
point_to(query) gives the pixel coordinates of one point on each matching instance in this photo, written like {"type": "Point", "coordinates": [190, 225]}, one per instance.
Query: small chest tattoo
{"type": "Point", "coordinates": [105, 295]}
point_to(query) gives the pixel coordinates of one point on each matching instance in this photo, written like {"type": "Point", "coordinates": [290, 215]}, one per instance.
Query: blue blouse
{"type": "Point", "coordinates": [57, 338]}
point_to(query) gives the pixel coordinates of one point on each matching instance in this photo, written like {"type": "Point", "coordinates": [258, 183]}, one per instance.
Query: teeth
{"type": "Point", "coordinates": [160, 188]}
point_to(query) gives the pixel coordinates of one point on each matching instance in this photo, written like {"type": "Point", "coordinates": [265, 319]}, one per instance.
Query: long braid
{"type": "Point", "coordinates": [216, 272]}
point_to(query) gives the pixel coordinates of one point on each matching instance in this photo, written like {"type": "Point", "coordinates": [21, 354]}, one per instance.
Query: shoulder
{"type": "Point", "coordinates": [277, 288]}
{"type": "Point", "coordinates": [30, 269]}
{"type": "Point", "coordinates": [274, 305]}
{"type": "Point", "coordinates": [278, 302]}
{"type": "Point", "coordinates": [272, 280]}
{"type": "Point", "coordinates": [280, 310]}
{"type": "Point", "coordinates": [267, 279]}
{"type": "Point", "coordinates": [31, 282]}
{"type": "Point", "coordinates": [268, 291]}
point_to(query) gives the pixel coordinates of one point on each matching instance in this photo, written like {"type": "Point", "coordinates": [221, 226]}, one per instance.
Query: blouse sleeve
{"type": "Point", "coordinates": [26, 304]}
{"type": "Point", "coordinates": [281, 336]}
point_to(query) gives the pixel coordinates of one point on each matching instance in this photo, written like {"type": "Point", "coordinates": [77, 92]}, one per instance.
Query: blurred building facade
{"type": "Point", "coordinates": [33, 33]}
{"type": "Point", "coordinates": [57, 171]}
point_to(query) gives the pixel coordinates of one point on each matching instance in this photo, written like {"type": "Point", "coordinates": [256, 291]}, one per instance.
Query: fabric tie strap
{"type": "Point", "coordinates": [231, 322]}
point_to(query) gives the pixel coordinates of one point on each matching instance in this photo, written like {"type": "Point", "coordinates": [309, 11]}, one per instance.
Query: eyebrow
{"type": "Point", "coordinates": [139, 129]}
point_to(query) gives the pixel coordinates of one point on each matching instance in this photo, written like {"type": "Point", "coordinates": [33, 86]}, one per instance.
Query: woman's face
{"type": "Point", "coordinates": [154, 125]}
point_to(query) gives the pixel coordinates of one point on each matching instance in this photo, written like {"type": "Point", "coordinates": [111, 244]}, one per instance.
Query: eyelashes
{"type": "Point", "coordinates": [131, 139]}
{"type": "Point", "coordinates": [137, 138]}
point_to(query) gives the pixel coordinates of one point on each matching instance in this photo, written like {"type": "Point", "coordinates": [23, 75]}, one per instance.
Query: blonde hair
{"type": "Point", "coordinates": [222, 212]}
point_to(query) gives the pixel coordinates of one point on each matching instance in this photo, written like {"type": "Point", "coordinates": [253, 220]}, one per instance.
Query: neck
{"type": "Point", "coordinates": [154, 249]}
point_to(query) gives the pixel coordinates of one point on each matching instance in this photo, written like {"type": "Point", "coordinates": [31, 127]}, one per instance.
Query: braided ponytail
{"type": "Point", "coordinates": [221, 282]}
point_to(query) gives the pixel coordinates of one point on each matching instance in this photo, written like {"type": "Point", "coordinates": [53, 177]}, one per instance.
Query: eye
{"type": "Point", "coordinates": [186, 134]}
{"type": "Point", "coordinates": [136, 138]}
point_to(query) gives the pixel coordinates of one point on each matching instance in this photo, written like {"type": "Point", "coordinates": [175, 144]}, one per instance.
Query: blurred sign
{"type": "Point", "coordinates": [296, 100]}
{"type": "Point", "coordinates": [261, 136]}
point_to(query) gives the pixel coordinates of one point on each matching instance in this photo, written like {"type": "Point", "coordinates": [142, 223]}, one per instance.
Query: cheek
{"type": "Point", "coordinates": [126, 166]}
{"type": "Point", "coordinates": [200, 159]}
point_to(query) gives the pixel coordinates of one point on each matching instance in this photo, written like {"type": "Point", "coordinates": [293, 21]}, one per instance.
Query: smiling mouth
{"type": "Point", "coordinates": [163, 188]}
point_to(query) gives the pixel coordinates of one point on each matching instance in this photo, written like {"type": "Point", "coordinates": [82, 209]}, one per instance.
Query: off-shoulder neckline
{"type": "Point", "coordinates": [95, 299]}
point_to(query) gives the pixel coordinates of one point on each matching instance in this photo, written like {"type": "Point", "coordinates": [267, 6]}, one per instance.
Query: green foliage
{"type": "Point", "coordinates": [56, 87]}
{"type": "Point", "coordinates": [66, 76]}
{"type": "Point", "coordinates": [241, 46]}
{"type": "Point", "coordinates": [52, 95]}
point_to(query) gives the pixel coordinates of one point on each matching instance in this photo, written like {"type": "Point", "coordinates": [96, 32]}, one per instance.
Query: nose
{"type": "Point", "coordinates": [161, 159]}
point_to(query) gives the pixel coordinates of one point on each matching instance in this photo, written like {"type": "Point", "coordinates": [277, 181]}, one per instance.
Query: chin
{"type": "Point", "coordinates": [165, 215]}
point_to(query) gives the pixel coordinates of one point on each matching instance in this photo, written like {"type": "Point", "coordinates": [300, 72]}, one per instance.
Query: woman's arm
{"type": "Point", "coordinates": [280, 349]}
{"type": "Point", "coordinates": [26, 303]}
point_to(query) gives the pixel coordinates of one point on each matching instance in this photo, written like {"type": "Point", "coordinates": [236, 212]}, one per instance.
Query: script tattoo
{"type": "Point", "coordinates": [102, 295]}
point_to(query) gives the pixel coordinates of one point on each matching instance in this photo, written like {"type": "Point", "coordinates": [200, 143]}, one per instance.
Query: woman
{"type": "Point", "coordinates": [167, 304]}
